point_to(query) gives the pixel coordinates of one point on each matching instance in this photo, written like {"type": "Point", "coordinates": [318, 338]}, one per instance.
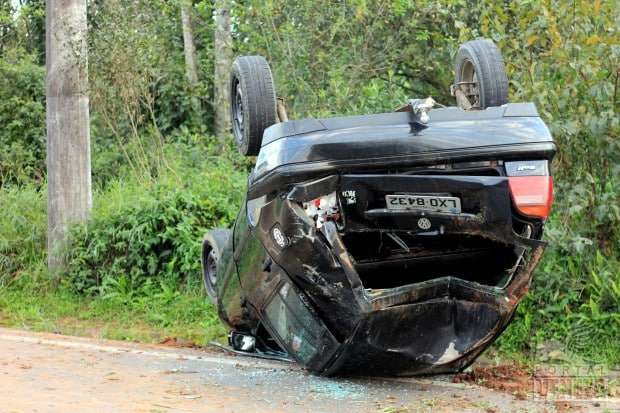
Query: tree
{"type": "Point", "coordinates": [68, 133]}
{"type": "Point", "coordinates": [223, 63]}
{"type": "Point", "coordinates": [190, 55]}
{"type": "Point", "coordinates": [188, 43]}
{"type": "Point", "coordinates": [7, 24]}
{"type": "Point", "coordinates": [32, 19]}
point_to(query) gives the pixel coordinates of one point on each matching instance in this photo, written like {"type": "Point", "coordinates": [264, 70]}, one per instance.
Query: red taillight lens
{"type": "Point", "coordinates": [532, 195]}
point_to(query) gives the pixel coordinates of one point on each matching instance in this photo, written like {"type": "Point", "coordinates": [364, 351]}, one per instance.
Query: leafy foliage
{"type": "Point", "coordinates": [22, 118]}
{"type": "Point", "coordinates": [23, 226]}
{"type": "Point", "coordinates": [565, 56]}
{"type": "Point", "coordinates": [138, 233]}
{"type": "Point", "coordinates": [7, 25]}
{"type": "Point", "coordinates": [136, 59]}
{"type": "Point", "coordinates": [353, 57]}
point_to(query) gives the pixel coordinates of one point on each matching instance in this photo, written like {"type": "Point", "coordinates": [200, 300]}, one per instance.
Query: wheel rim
{"type": "Point", "coordinates": [470, 79]}
{"type": "Point", "coordinates": [238, 115]}
{"type": "Point", "coordinates": [211, 270]}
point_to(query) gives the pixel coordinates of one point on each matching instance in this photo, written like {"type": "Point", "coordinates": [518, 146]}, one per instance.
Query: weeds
{"type": "Point", "coordinates": [150, 315]}
{"type": "Point", "coordinates": [133, 271]}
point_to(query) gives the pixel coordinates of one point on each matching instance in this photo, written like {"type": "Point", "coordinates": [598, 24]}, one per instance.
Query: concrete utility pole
{"type": "Point", "coordinates": [68, 132]}
{"type": "Point", "coordinates": [223, 63]}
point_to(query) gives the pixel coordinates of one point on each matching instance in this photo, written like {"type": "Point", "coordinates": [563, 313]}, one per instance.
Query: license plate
{"type": "Point", "coordinates": [424, 202]}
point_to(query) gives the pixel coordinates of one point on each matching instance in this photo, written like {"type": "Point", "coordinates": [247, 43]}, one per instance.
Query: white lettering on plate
{"type": "Point", "coordinates": [350, 196]}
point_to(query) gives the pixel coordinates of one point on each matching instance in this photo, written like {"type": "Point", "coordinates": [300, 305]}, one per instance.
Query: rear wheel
{"type": "Point", "coordinates": [480, 75]}
{"type": "Point", "coordinates": [253, 102]}
{"type": "Point", "coordinates": [212, 246]}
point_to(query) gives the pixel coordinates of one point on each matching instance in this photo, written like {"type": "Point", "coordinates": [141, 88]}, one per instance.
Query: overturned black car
{"type": "Point", "coordinates": [389, 244]}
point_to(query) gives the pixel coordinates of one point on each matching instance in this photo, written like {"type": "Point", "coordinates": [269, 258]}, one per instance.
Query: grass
{"type": "Point", "coordinates": [144, 318]}
{"type": "Point", "coordinates": [126, 303]}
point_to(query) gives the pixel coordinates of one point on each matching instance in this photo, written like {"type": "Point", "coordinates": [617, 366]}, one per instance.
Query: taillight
{"type": "Point", "coordinates": [531, 187]}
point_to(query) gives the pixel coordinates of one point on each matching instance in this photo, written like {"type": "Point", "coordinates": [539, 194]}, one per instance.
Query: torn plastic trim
{"type": "Point", "coordinates": [308, 191]}
{"type": "Point", "coordinates": [416, 291]}
{"type": "Point", "coordinates": [330, 232]}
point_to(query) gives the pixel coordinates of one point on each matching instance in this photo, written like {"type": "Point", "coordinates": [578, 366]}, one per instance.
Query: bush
{"type": "Point", "coordinates": [23, 226]}
{"type": "Point", "coordinates": [22, 118]}
{"type": "Point", "coordinates": [353, 57]}
{"type": "Point", "coordinates": [139, 232]}
{"type": "Point", "coordinates": [564, 57]}
{"type": "Point", "coordinates": [133, 270]}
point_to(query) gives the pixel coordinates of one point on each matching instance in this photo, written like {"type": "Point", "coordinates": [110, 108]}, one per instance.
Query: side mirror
{"type": "Point", "coordinates": [242, 342]}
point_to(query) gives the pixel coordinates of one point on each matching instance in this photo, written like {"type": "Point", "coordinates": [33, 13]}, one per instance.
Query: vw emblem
{"type": "Point", "coordinates": [279, 237]}
{"type": "Point", "coordinates": [424, 223]}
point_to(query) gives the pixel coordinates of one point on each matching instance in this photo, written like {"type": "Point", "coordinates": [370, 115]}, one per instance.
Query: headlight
{"type": "Point", "coordinates": [268, 158]}
{"type": "Point", "coordinates": [254, 206]}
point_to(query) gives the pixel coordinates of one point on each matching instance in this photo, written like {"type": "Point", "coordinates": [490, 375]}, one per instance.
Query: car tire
{"type": "Point", "coordinates": [252, 102]}
{"type": "Point", "coordinates": [480, 61]}
{"type": "Point", "coordinates": [212, 246]}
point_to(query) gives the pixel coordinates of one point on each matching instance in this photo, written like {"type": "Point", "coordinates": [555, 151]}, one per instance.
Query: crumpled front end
{"type": "Point", "coordinates": [353, 286]}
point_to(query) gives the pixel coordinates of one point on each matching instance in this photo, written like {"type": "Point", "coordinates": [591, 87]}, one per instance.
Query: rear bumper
{"type": "Point", "coordinates": [442, 334]}
{"type": "Point", "coordinates": [320, 311]}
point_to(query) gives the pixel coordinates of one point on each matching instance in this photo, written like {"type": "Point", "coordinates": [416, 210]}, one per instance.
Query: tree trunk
{"type": "Point", "coordinates": [190, 56]}
{"type": "Point", "coordinates": [188, 43]}
{"type": "Point", "coordinates": [68, 132]}
{"type": "Point", "coordinates": [223, 63]}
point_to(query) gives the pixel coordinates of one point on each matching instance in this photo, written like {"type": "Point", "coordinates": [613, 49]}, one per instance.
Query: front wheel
{"type": "Point", "coordinates": [212, 246]}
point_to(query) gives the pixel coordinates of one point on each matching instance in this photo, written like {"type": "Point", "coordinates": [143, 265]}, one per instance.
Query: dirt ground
{"type": "Point", "coordinates": [53, 373]}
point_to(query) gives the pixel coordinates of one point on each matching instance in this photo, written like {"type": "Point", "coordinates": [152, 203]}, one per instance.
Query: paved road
{"type": "Point", "coordinates": [53, 373]}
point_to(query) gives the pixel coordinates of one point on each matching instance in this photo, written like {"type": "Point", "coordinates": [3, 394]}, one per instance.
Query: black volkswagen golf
{"type": "Point", "coordinates": [391, 244]}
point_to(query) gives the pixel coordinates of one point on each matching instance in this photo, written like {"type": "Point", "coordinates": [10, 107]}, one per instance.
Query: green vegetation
{"type": "Point", "coordinates": [22, 116]}
{"type": "Point", "coordinates": [161, 180]}
{"type": "Point", "coordinates": [140, 232]}
{"type": "Point", "coordinates": [148, 314]}
{"type": "Point", "coordinates": [133, 271]}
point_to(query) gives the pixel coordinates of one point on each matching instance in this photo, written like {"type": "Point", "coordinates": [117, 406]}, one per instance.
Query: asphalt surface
{"type": "Point", "coordinates": [53, 373]}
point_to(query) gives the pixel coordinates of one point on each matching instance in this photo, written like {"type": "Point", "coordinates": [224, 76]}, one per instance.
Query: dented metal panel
{"type": "Point", "coordinates": [344, 283]}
